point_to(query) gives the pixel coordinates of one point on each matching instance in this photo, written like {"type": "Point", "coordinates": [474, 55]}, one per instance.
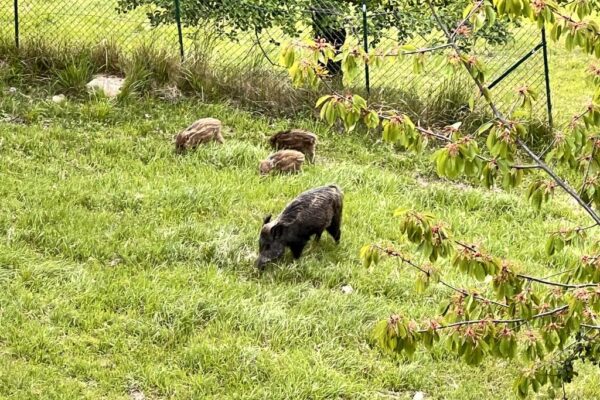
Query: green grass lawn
{"type": "Point", "coordinates": [125, 268]}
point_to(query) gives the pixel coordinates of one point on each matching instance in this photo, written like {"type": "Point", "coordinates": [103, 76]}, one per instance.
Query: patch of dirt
{"type": "Point", "coordinates": [136, 394]}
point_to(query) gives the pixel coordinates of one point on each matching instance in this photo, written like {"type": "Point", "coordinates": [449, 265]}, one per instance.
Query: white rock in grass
{"type": "Point", "coordinates": [109, 85]}
{"type": "Point", "coordinates": [347, 289]}
{"type": "Point", "coordinates": [419, 396]}
{"type": "Point", "coordinates": [59, 98]}
{"type": "Point", "coordinates": [12, 90]}
{"type": "Point", "coordinates": [137, 395]}
{"type": "Point", "coordinates": [115, 261]}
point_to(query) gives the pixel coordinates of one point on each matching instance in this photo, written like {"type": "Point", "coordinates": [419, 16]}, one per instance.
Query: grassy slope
{"type": "Point", "coordinates": [126, 267]}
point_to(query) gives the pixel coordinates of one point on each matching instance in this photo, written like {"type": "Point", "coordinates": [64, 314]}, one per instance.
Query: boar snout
{"type": "Point", "coordinates": [261, 263]}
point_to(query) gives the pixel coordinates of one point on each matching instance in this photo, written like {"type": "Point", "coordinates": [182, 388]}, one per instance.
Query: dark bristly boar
{"type": "Point", "coordinates": [285, 161]}
{"type": "Point", "coordinates": [311, 213]}
{"type": "Point", "coordinates": [202, 131]}
{"type": "Point", "coordinates": [296, 139]}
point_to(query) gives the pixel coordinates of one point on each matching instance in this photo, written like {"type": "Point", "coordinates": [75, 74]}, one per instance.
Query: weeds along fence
{"type": "Point", "coordinates": [238, 52]}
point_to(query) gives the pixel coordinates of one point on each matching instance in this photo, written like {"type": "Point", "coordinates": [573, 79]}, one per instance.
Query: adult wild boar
{"type": "Point", "coordinates": [311, 213]}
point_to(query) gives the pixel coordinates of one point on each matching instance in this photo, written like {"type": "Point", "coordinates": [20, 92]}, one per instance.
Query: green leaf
{"type": "Point", "coordinates": [330, 113]}
{"type": "Point", "coordinates": [408, 48]}
{"type": "Point", "coordinates": [479, 272]}
{"type": "Point", "coordinates": [550, 246]}
{"type": "Point", "coordinates": [484, 128]}
{"type": "Point", "coordinates": [359, 102]}
{"type": "Point", "coordinates": [467, 10]}
{"type": "Point", "coordinates": [441, 160]}
{"type": "Point", "coordinates": [366, 255]}
{"type": "Point", "coordinates": [420, 284]}
{"type": "Point", "coordinates": [372, 120]}
{"type": "Point", "coordinates": [490, 14]}
{"type": "Point", "coordinates": [323, 100]}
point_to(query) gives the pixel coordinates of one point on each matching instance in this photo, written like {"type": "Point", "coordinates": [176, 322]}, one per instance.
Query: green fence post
{"type": "Point", "coordinates": [547, 76]}
{"type": "Point", "coordinates": [366, 45]}
{"type": "Point", "coordinates": [179, 30]}
{"type": "Point", "coordinates": [16, 5]}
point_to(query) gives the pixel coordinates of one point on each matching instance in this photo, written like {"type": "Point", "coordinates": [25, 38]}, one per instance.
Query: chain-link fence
{"type": "Point", "coordinates": [252, 36]}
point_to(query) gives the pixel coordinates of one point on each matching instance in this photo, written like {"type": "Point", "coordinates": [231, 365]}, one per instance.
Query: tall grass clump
{"type": "Point", "coordinates": [253, 84]}
{"type": "Point", "coordinates": [73, 77]}
{"type": "Point", "coordinates": [108, 56]}
{"type": "Point", "coordinates": [149, 68]}
{"type": "Point", "coordinates": [57, 65]}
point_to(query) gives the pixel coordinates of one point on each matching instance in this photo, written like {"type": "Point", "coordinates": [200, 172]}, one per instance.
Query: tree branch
{"type": "Point", "coordinates": [591, 326]}
{"type": "Point", "coordinates": [543, 281]}
{"type": "Point", "coordinates": [502, 119]}
{"type": "Point", "coordinates": [499, 321]}
{"type": "Point", "coordinates": [557, 284]}
{"type": "Point", "coordinates": [560, 182]}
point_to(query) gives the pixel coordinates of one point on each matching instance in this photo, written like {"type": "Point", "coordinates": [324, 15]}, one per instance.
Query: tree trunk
{"type": "Point", "coordinates": [325, 26]}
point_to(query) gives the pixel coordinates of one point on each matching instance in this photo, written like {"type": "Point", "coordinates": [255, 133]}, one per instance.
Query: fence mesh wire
{"type": "Point", "coordinates": [92, 22]}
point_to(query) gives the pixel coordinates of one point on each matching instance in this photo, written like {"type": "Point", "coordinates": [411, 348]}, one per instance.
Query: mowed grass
{"type": "Point", "coordinates": [127, 269]}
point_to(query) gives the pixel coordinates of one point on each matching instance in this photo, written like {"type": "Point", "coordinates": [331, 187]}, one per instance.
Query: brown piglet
{"type": "Point", "coordinates": [202, 131]}
{"type": "Point", "coordinates": [295, 139]}
{"type": "Point", "coordinates": [285, 161]}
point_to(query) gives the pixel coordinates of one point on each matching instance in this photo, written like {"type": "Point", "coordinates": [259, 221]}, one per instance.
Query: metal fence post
{"type": "Point", "coordinates": [179, 30]}
{"type": "Point", "coordinates": [547, 76]}
{"type": "Point", "coordinates": [366, 44]}
{"type": "Point", "coordinates": [16, 5]}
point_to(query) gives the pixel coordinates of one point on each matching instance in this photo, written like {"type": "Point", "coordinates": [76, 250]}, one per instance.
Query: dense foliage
{"type": "Point", "coordinates": [232, 17]}
{"type": "Point", "coordinates": [550, 322]}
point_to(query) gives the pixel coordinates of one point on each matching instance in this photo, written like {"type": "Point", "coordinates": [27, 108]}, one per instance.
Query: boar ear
{"type": "Point", "coordinates": [277, 231]}
{"type": "Point", "coordinates": [267, 219]}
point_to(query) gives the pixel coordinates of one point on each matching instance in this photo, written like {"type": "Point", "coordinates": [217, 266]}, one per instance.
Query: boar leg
{"type": "Point", "coordinates": [311, 155]}
{"type": "Point", "coordinates": [318, 235]}
{"type": "Point", "coordinates": [297, 248]}
{"type": "Point", "coordinates": [334, 229]}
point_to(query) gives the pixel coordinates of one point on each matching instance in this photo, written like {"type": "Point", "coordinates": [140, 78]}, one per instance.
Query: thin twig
{"type": "Point", "coordinates": [499, 321]}
{"type": "Point", "coordinates": [577, 229]}
{"type": "Point", "coordinates": [264, 52]}
{"type": "Point", "coordinates": [405, 260]}
{"type": "Point", "coordinates": [559, 273]}
{"type": "Point", "coordinates": [423, 50]}
{"type": "Point", "coordinates": [476, 8]}
{"type": "Point", "coordinates": [429, 132]}
{"type": "Point", "coordinates": [597, 327]}
{"type": "Point", "coordinates": [543, 281]}
{"type": "Point", "coordinates": [587, 171]}
{"type": "Point", "coordinates": [547, 148]}
{"type": "Point", "coordinates": [557, 284]}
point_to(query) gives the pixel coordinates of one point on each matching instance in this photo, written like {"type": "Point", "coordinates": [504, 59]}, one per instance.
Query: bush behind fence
{"type": "Point", "coordinates": [89, 23]}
